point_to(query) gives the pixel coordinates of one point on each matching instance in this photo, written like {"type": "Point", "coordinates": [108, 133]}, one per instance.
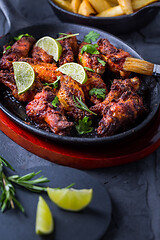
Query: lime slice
{"type": "Point", "coordinates": [70, 199]}
{"type": "Point", "coordinates": [44, 220]}
{"type": "Point", "coordinates": [51, 46]}
{"type": "Point", "coordinates": [24, 76]}
{"type": "Point", "coordinates": [75, 71]}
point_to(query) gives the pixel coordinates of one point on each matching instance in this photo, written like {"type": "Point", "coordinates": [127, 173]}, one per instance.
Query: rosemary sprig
{"type": "Point", "coordinates": [67, 36]}
{"type": "Point", "coordinates": [8, 199]}
{"type": "Point", "coordinates": [82, 105]}
{"type": "Point", "coordinates": [8, 192]}
{"type": "Point", "coordinates": [28, 182]}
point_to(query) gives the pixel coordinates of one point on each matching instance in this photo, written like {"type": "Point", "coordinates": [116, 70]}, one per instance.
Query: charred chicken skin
{"type": "Point", "coordinates": [19, 49]}
{"type": "Point", "coordinates": [69, 90]}
{"type": "Point", "coordinates": [121, 114]}
{"type": "Point", "coordinates": [69, 50]}
{"type": "Point", "coordinates": [41, 110]}
{"type": "Point", "coordinates": [118, 87]}
{"type": "Point", "coordinates": [113, 56]}
{"type": "Point", "coordinates": [40, 55]}
{"type": "Point", "coordinates": [46, 72]}
{"type": "Point", "coordinates": [90, 60]}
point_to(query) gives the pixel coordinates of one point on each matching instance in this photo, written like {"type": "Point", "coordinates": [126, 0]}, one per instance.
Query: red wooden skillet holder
{"type": "Point", "coordinates": [85, 158]}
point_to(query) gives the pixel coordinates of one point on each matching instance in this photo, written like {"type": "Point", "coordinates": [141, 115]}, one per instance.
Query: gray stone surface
{"type": "Point", "coordinates": [134, 188]}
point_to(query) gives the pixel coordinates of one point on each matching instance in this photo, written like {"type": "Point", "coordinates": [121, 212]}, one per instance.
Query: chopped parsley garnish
{"type": "Point", "coordinates": [101, 61]}
{"type": "Point", "coordinates": [82, 105]}
{"type": "Point", "coordinates": [99, 92]}
{"type": "Point", "coordinates": [55, 101]}
{"type": "Point", "coordinates": [89, 69]}
{"type": "Point", "coordinates": [54, 84]}
{"type": "Point", "coordinates": [89, 48]}
{"type": "Point", "coordinates": [66, 36]}
{"type": "Point", "coordinates": [91, 37]}
{"type": "Point", "coordinates": [84, 125]}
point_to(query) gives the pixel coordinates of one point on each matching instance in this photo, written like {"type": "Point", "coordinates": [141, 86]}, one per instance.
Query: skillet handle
{"type": "Point", "coordinates": [14, 18]}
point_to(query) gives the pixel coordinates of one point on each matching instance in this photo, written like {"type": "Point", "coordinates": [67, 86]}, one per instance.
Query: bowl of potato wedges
{"type": "Point", "coordinates": [114, 16]}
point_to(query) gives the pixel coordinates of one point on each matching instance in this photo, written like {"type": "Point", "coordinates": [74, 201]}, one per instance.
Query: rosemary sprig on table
{"type": "Point", "coordinates": [8, 192]}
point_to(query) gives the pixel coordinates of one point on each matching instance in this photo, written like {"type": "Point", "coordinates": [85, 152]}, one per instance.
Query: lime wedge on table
{"type": "Point", "coordinates": [24, 76]}
{"type": "Point", "coordinates": [75, 71]}
{"type": "Point", "coordinates": [51, 46]}
{"type": "Point", "coordinates": [70, 199]}
{"type": "Point", "coordinates": [44, 220]}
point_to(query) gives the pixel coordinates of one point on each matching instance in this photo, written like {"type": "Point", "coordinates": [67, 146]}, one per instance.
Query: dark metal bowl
{"type": "Point", "coordinates": [115, 25]}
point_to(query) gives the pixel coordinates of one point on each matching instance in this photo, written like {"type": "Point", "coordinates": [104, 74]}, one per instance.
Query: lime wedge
{"type": "Point", "coordinates": [51, 46]}
{"type": "Point", "coordinates": [44, 220]}
{"type": "Point", "coordinates": [70, 199]}
{"type": "Point", "coordinates": [75, 71]}
{"type": "Point", "coordinates": [24, 76]}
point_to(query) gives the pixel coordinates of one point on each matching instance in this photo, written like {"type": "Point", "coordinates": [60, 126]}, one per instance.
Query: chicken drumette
{"type": "Point", "coordinates": [113, 56]}
{"type": "Point", "coordinates": [42, 110]}
{"type": "Point", "coordinates": [19, 49]}
{"type": "Point", "coordinates": [67, 94]}
{"type": "Point", "coordinates": [69, 49]}
{"type": "Point", "coordinates": [91, 61]}
{"type": "Point", "coordinates": [121, 114]}
{"type": "Point", "coordinates": [118, 87]}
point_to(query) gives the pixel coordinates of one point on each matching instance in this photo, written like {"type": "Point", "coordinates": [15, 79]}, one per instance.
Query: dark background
{"type": "Point", "coordinates": [134, 188]}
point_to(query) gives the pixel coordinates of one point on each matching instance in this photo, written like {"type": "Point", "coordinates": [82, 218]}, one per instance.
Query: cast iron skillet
{"type": "Point", "coordinates": [16, 111]}
{"type": "Point", "coordinates": [115, 25]}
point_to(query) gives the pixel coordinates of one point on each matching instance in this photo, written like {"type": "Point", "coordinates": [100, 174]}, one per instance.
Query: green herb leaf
{"type": "Point", "coordinates": [101, 61]}
{"type": "Point", "coordinates": [99, 92]}
{"type": "Point", "coordinates": [54, 84]}
{"type": "Point", "coordinates": [55, 101]}
{"type": "Point", "coordinates": [66, 36]}
{"type": "Point", "coordinates": [8, 192]}
{"type": "Point", "coordinates": [82, 105]}
{"type": "Point", "coordinates": [3, 161]}
{"type": "Point", "coordinates": [84, 126]}
{"type": "Point", "coordinates": [22, 35]}
{"type": "Point", "coordinates": [8, 47]}
{"type": "Point", "coordinates": [89, 48]}
{"type": "Point", "coordinates": [91, 36]}
{"type": "Point", "coordinates": [89, 69]}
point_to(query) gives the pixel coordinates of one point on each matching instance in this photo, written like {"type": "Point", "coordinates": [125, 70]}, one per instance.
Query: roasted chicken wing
{"type": "Point", "coordinates": [19, 49]}
{"type": "Point", "coordinates": [40, 55]}
{"type": "Point", "coordinates": [113, 56]}
{"type": "Point", "coordinates": [70, 49]}
{"type": "Point", "coordinates": [91, 61]}
{"type": "Point", "coordinates": [42, 110]}
{"type": "Point", "coordinates": [69, 90]}
{"type": "Point", "coordinates": [121, 114]}
{"type": "Point", "coordinates": [118, 87]}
